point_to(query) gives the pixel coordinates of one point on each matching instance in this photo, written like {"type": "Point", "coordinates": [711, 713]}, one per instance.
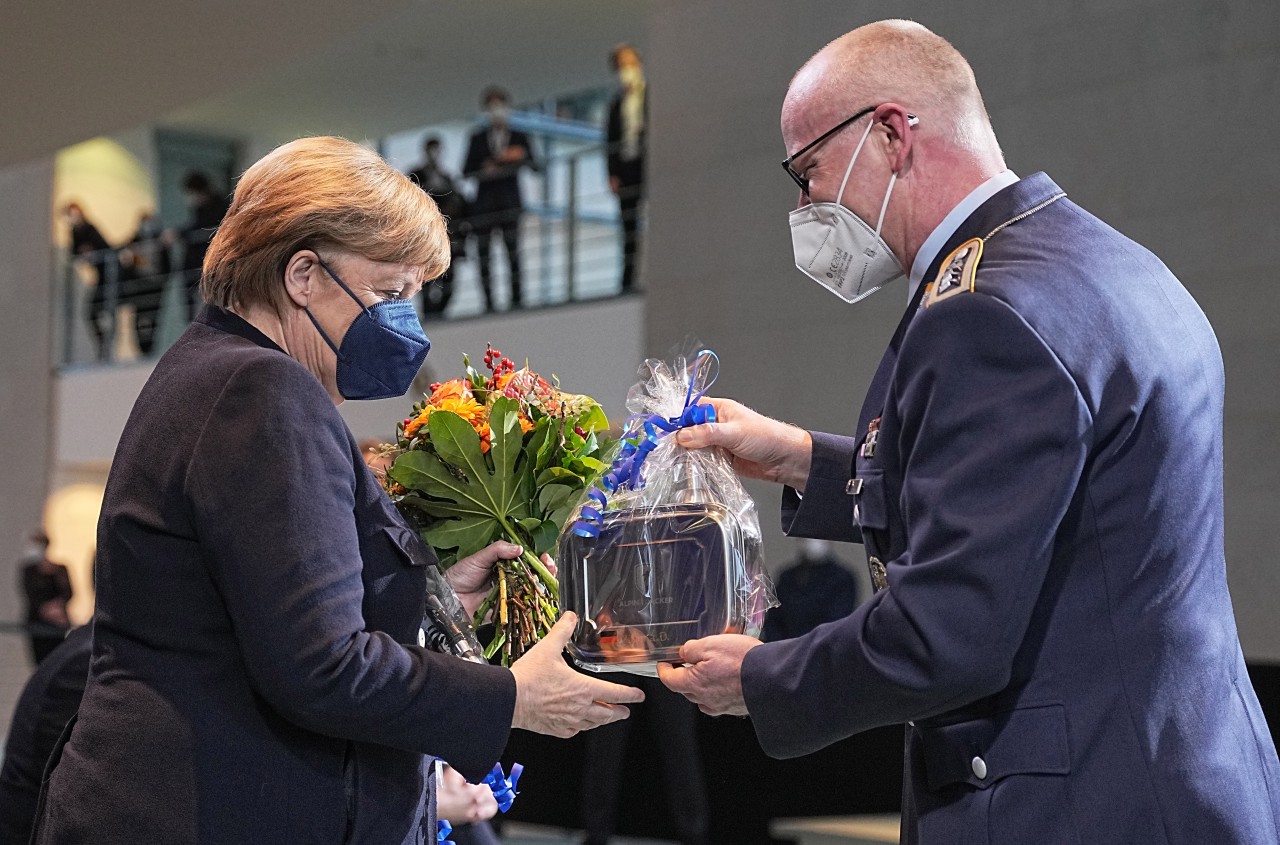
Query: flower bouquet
{"type": "Point", "coordinates": [492, 457]}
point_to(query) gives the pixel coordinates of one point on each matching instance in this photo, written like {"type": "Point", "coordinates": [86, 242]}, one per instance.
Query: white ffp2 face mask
{"type": "Point", "coordinates": [838, 250]}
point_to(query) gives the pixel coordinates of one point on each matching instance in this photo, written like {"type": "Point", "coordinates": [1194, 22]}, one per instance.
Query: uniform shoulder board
{"type": "Point", "coordinates": [956, 275]}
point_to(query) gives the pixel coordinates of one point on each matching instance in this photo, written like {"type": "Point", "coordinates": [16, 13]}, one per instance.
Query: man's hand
{"type": "Point", "coordinates": [712, 676]}
{"type": "Point", "coordinates": [472, 576]}
{"type": "Point", "coordinates": [760, 447]}
{"type": "Point", "coordinates": [459, 802]}
{"type": "Point", "coordinates": [552, 698]}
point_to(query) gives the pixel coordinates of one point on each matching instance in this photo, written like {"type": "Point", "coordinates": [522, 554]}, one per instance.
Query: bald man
{"type": "Point", "coordinates": [1036, 475]}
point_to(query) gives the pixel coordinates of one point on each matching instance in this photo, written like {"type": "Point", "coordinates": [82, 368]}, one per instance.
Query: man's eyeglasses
{"type": "Point", "coordinates": [804, 182]}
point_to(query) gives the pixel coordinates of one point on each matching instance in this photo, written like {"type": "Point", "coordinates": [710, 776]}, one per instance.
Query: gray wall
{"type": "Point", "coordinates": [1159, 117]}
{"type": "Point", "coordinates": [25, 389]}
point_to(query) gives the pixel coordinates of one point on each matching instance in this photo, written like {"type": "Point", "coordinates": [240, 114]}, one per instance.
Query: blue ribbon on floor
{"type": "Point", "coordinates": [641, 435]}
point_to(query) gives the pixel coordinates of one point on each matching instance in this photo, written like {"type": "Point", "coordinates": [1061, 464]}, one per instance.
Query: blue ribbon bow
{"type": "Point", "coordinates": [641, 436]}
{"type": "Point", "coordinates": [504, 788]}
{"type": "Point", "coordinates": [504, 791]}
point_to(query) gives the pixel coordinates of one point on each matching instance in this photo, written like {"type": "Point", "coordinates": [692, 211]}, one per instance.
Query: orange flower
{"type": "Point", "coordinates": [454, 389]}
{"type": "Point", "coordinates": [486, 436]}
{"type": "Point", "coordinates": [464, 406]}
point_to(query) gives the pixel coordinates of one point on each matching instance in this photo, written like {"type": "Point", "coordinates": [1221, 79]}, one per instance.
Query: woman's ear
{"type": "Point", "coordinates": [299, 276]}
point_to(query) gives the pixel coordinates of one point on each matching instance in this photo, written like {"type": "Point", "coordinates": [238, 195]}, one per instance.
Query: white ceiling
{"type": "Point", "coordinates": [291, 67]}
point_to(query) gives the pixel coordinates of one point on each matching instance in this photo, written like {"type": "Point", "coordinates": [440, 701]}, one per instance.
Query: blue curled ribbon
{"type": "Point", "coordinates": [504, 788]}
{"type": "Point", "coordinates": [641, 435]}
{"type": "Point", "coordinates": [443, 829]}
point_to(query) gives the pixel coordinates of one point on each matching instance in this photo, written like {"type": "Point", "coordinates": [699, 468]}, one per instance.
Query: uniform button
{"type": "Point", "coordinates": [979, 767]}
{"type": "Point", "coordinates": [422, 637]}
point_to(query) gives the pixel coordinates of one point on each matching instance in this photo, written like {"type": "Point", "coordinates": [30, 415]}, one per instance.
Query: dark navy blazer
{"type": "Point", "coordinates": [1045, 493]}
{"type": "Point", "coordinates": [250, 681]}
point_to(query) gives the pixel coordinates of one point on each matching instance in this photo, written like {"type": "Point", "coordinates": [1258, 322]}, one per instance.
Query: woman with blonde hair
{"type": "Point", "coordinates": [256, 674]}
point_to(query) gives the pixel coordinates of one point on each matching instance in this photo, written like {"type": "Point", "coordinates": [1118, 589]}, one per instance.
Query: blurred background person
{"type": "Point", "coordinates": [626, 137]}
{"type": "Point", "coordinates": [817, 588]}
{"type": "Point", "coordinates": [144, 273]}
{"type": "Point", "coordinates": [47, 702]}
{"type": "Point", "coordinates": [433, 178]}
{"type": "Point", "coordinates": [207, 208]}
{"type": "Point", "coordinates": [495, 155]}
{"type": "Point", "coordinates": [46, 590]}
{"type": "Point", "coordinates": [91, 249]}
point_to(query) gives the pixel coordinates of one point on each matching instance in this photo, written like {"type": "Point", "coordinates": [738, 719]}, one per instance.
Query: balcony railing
{"type": "Point", "coordinates": [113, 307]}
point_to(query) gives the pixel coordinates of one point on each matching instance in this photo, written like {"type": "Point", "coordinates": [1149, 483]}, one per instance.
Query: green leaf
{"type": "Point", "coordinates": [547, 449]}
{"type": "Point", "coordinates": [505, 440]}
{"type": "Point", "coordinates": [545, 537]}
{"type": "Point", "coordinates": [554, 496]}
{"type": "Point", "coordinates": [587, 465]}
{"type": "Point", "coordinates": [468, 535]}
{"type": "Point", "coordinates": [457, 443]}
{"type": "Point", "coordinates": [425, 472]}
{"type": "Point", "coordinates": [559, 474]}
{"type": "Point", "coordinates": [593, 419]}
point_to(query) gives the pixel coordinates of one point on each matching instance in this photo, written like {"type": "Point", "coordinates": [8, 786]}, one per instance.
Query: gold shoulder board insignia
{"type": "Point", "coordinates": [956, 275]}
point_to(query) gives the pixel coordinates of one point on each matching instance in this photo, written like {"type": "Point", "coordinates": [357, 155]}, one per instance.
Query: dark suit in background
{"type": "Point", "coordinates": [48, 701]}
{"type": "Point", "coordinates": [1043, 497]}
{"type": "Point", "coordinates": [255, 587]}
{"type": "Point", "coordinates": [626, 163]}
{"type": "Point", "coordinates": [88, 245]}
{"type": "Point", "coordinates": [206, 215]}
{"type": "Point", "coordinates": [497, 204]}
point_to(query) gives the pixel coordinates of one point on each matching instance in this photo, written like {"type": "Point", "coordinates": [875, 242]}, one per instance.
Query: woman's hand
{"type": "Point", "coordinates": [459, 802]}
{"type": "Point", "coordinates": [551, 698]}
{"type": "Point", "coordinates": [472, 576]}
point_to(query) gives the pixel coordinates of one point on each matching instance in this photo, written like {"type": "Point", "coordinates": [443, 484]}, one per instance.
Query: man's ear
{"type": "Point", "coordinates": [899, 127]}
{"type": "Point", "coordinates": [300, 276]}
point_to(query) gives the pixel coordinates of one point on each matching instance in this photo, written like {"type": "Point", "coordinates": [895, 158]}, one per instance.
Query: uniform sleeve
{"type": "Point", "coordinates": [271, 486]}
{"type": "Point", "coordinates": [993, 442]}
{"type": "Point", "coordinates": [824, 511]}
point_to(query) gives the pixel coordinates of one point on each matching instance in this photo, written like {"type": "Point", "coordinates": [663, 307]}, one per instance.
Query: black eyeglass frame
{"type": "Point", "coordinates": [801, 181]}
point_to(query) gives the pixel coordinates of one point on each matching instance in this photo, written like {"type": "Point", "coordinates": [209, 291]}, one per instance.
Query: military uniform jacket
{"type": "Point", "coordinates": [1043, 498]}
{"type": "Point", "coordinates": [255, 675]}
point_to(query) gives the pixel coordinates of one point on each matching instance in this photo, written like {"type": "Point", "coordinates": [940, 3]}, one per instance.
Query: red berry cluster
{"type": "Point", "coordinates": [496, 363]}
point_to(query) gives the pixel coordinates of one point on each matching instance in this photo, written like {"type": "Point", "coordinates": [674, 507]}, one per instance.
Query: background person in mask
{"type": "Point", "coordinates": [495, 154]}
{"type": "Point", "coordinates": [1036, 475]}
{"type": "Point", "coordinates": [626, 133]}
{"type": "Point", "coordinates": [251, 680]}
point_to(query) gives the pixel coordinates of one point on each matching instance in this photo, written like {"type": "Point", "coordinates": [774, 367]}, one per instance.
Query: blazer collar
{"type": "Point", "coordinates": [225, 321]}
{"type": "Point", "coordinates": [1023, 195]}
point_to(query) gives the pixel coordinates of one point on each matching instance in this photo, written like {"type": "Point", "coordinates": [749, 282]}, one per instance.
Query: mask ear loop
{"type": "Point", "coordinates": [884, 205]}
{"type": "Point", "coordinates": [849, 169]}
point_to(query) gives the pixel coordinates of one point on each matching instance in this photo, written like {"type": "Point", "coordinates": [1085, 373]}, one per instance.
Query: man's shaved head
{"type": "Point", "coordinates": [889, 61]}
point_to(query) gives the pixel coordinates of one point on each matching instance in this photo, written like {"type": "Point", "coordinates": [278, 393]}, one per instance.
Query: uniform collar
{"type": "Point", "coordinates": [1000, 208]}
{"type": "Point", "coordinates": [943, 231]}
{"type": "Point", "coordinates": [231, 323]}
